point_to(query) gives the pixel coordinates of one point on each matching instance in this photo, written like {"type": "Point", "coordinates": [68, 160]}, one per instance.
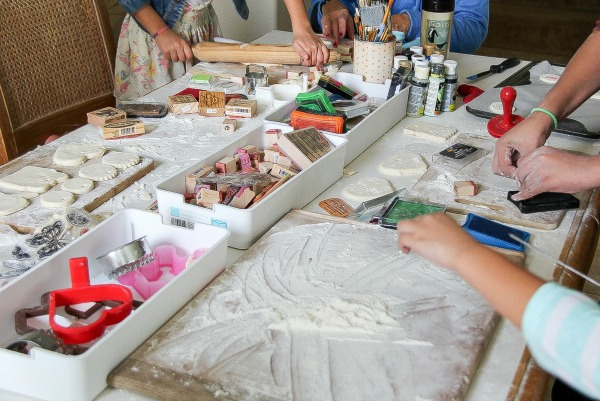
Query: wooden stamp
{"type": "Point", "coordinates": [211, 104]}
{"type": "Point", "coordinates": [242, 198]}
{"type": "Point", "coordinates": [265, 167]}
{"type": "Point", "coordinates": [191, 178]}
{"type": "Point", "coordinates": [228, 125]}
{"type": "Point", "coordinates": [122, 129]}
{"type": "Point", "coordinates": [208, 197]}
{"type": "Point", "coordinates": [271, 154]}
{"type": "Point", "coordinates": [465, 188]}
{"type": "Point", "coordinates": [272, 136]}
{"type": "Point", "coordinates": [241, 108]}
{"type": "Point", "coordinates": [226, 165]}
{"type": "Point", "coordinates": [280, 171]}
{"type": "Point", "coordinates": [105, 116]}
{"type": "Point", "coordinates": [183, 104]}
{"type": "Point", "coordinates": [336, 207]}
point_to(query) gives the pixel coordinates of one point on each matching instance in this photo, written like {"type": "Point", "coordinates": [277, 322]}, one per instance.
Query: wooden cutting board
{"type": "Point", "coordinates": [318, 308]}
{"type": "Point", "coordinates": [437, 186]}
{"type": "Point", "coordinates": [35, 215]}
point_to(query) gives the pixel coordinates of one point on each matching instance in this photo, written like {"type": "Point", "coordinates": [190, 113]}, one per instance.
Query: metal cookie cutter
{"type": "Point", "coordinates": [256, 76]}
{"type": "Point", "coordinates": [126, 258]}
{"type": "Point", "coordinates": [82, 292]}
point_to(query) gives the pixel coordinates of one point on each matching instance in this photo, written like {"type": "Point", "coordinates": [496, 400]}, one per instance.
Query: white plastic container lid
{"type": "Point", "coordinates": [450, 66]}
{"type": "Point", "coordinates": [398, 59]}
{"type": "Point", "coordinates": [416, 49]}
{"type": "Point", "coordinates": [422, 70]}
{"type": "Point", "coordinates": [436, 58]}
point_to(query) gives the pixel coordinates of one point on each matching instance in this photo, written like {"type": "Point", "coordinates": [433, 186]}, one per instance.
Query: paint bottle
{"type": "Point", "coordinates": [435, 90]}
{"type": "Point", "coordinates": [450, 85]}
{"type": "Point", "coordinates": [436, 24]}
{"type": "Point", "coordinates": [416, 50]}
{"type": "Point", "coordinates": [418, 90]}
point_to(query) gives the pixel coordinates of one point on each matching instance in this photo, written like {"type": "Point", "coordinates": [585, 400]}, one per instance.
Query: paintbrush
{"type": "Point", "coordinates": [384, 21]}
{"type": "Point", "coordinates": [553, 259]}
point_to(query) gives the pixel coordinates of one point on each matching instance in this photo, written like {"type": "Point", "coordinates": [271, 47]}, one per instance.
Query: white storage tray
{"type": "Point", "coordinates": [50, 375]}
{"type": "Point", "coordinates": [247, 225]}
{"type": "Point", "coordinates": [371, 127]}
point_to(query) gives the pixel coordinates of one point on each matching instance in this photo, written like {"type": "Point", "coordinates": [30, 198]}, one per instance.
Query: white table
{"type": "Point", "coordinates": [174, 142]}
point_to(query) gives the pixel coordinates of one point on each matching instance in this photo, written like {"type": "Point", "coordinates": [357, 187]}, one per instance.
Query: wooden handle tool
{"type": "Point", "coordinates": [251, 53]}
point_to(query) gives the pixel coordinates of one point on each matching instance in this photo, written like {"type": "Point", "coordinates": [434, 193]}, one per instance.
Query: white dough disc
{"type": "Point", "coordinates": [403, 163]}
{"type": "Point", "coordinates": [11, 203]}
{"type": "Point", "coordinates": [496, 107]}
{"type": "Point", "coordinates": [121, 159]}
{"type": "Point", "coordinates": [74, 154]}
{"type": "Point", "coordinates": [78, 185]}
{"type": "Point", "coordinates": [98, 172]}
{"type": "Point", "coordinates": [57, 199]}
{"type": "Point", "coordinates": [33, 179]}
{"type": "Point", "coordinates": [549, 78]}
{"type": "Point", "coordinates": [431, 132]}
{"type": "Point", "coordinates": [367, 188]}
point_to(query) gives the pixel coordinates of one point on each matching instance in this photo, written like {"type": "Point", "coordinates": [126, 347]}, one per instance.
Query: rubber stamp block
{"type": "Point", "coordinates": [183, 104]}
{"type": "Point", "coordinates": [228, 125]}
{"type": "Point", "coordinates": [241, 108]}
{"type": "Point", "coordinates": [105, 116]}
{"type": "Point", "coordinates": [465, 188]}
{"type": "Point", "coordinates": [211, 104]}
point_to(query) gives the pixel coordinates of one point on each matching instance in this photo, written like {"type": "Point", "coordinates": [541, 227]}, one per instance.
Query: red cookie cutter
{"type": "Point", "coordinates": [469, 92]}
{"type": "Point", "coordinates": [82, 292]}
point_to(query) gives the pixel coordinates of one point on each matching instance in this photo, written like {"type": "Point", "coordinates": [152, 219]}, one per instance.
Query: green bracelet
{"type": "Point", "coordinates": [549, 113]}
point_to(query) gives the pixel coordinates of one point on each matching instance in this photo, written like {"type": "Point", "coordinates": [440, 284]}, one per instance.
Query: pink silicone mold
{"type": "Point", "coordinates": [151, 277]}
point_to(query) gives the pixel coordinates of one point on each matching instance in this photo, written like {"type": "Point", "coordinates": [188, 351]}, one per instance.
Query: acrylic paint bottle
{"type": "Point", "coordinates": [418, 90]}
{"type": "Point", "coordinates": [436, 23]}
{"type": "Point", "coordinates": [435, 90]}
{"type": "Point", "coordinates": [450, 85]}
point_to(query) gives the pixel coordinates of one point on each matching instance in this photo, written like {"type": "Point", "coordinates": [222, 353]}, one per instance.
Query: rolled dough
{"type": "Point", "coordinates": [431, 132]}
{"type": "Point", "coordinates": [78, 185]}
{"type": "Point", "coordinates": [33, 179]}
{"type": "Point", "coordinates": [98, 172]}
{"type": "Point", "coordinates": [57, 199]}
{"type": "Point", "coordinates": [74, 154]}
{"type": "Point", "coordinates": [121, 159]}
{"type": "Point", "coordinates": [11, 203]}
{"type": "Point", "coordinates": [403, 163]}
{"type": "Point", "coordinates": [367, 188]}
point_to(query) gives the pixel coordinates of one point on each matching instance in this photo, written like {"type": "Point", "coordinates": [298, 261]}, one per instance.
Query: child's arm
{"type": "Point", "coordinates": [438, 238]}
{"type": "Point", "coordinates": [172, 46]}
{"type": "Point", "coordinates": [306, 43]}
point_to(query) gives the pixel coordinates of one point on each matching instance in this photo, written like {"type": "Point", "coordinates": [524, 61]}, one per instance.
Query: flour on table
{"type": "Point", "coordinates": [403, 163]}
{"type": "Point", "coordinates": [431, 132]}
{"type": "Point", "coordinates": [74, 154]}
{"type": "Point", "coordinates": [78, 185]}
{"type": "Point", "coordinates": [98, 172]}
{"type": "Point", "coordinates": [57, 199]}
{"type": "Point", "coordinates": [11, 203]}
{"type": "Point", "coordinates": [33, 179]}
{"type": "Point", "coordinates": [367, 188]}
{"type": "Point", "coordinates": [121, 159]}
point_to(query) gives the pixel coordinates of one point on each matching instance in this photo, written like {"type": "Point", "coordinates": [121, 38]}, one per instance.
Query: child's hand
{"type": "Point", "coordinates": [173, 46]}
{"type": "Point", "coordinates": [436, 237]}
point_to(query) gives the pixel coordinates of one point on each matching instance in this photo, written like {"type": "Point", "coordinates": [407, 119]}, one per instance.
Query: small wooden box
{"type": "Point", "coordinates": [183, 104]}
{"type": "Point", "coordinates": [228, 125]}
{"type": "Point", "coordinates": [241, 108]}
{"type": "Point", "coordinates": [121, 129]}
{"type": "Point", "coordinates": [211, 104]}
{"type": "Point", "coordinates": [105, 116]}
{"type": "Point", "coordinates": [465, 188]}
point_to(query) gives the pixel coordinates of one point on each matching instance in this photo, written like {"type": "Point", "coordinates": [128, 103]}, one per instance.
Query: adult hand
{"type": "Point", "coordinates": [312, 50]}
{"type": "Point", "coordinates": [436, 237]}
{"type": "Point", "coordinates": [173, 46]}
{"type": "Point", "coordinates": [400, 22]}
{"type": "Point", "coordinates": [336, 22]}
{"type": "Point", "coordinates": [523, 139]}
{"type": "Point", "coordinates": [550, 169]}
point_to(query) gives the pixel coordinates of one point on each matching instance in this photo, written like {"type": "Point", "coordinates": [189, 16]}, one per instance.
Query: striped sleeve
{"type": "Point", "coordinates": [562, 329]}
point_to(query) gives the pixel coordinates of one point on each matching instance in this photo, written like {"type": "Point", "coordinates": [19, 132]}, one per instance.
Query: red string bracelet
{"type": "Point", "coordinates": [160, 30]}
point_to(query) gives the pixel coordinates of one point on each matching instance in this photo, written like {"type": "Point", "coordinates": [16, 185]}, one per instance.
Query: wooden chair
{"type": "Point", "coordinates": [56, 64]}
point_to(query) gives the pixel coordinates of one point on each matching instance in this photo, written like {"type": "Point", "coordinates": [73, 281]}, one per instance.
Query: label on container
{"type": "Point", "coordinates": [436, 29]}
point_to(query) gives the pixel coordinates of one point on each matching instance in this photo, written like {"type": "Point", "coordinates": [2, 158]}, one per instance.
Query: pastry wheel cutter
{"type": "Point", "coordinates": [126, 258]}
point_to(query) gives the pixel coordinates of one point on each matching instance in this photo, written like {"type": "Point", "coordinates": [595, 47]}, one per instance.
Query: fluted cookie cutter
{"type": "Point", "coordinates": [82, 292]}
{"type": "Point", "coordinates": [126, 258]}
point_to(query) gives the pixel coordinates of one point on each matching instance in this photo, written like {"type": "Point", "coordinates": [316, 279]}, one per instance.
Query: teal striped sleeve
{"type": "Point", "coordinates": [562, 329]}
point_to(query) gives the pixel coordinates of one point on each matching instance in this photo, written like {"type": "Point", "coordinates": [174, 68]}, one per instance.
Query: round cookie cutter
{"type": "Point", "coordinates": [126, 258]}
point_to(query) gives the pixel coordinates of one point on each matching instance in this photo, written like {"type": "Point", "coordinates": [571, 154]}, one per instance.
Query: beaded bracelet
{"type": "Point", "coordinates": [160, 30]}
{"type": "Point", "coordinates": [547, 112]}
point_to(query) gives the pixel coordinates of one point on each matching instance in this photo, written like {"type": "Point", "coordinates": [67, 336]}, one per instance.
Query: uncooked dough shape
{"type": "Point", "coordinates": [121, 159]}
{"type": "Point", "coordinates": [10, 204]}
{"type": "Point", "coordinates": [75, 154]}
{"type": "Point", "coordinates": [78, 185]}
{"type": "Point", "coordinates": [57, 199]}
{"type": "Point", "coordinates": [367, 188]}
{"type": "Point", "coordinates": [98, 172]}
{"type": "Point", "coordinates": [403, 163]}
{"type": "Point", "coordinates": [431, 132]}
{"type": "Point", "coordinates": [33, 179]}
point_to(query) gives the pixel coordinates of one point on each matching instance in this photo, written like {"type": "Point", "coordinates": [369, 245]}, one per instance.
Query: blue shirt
{"type": "Point", "coordinates": [469, 27]}
{"type": "Point", "coordinates": [169, 10]}
{"type": "Point", "coordinates": [562, 329]}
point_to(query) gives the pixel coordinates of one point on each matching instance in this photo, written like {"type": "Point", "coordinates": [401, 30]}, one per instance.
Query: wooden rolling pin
{"type": "Point", "coordinates": [251, 53]}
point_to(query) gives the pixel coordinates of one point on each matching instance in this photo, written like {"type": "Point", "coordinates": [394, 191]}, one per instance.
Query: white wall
{"type": "Point", "coordinates": [265, 16]}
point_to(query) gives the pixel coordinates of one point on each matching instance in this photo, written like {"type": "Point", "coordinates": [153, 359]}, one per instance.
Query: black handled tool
{"type": "Point", "coordinates": [496, 68]}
